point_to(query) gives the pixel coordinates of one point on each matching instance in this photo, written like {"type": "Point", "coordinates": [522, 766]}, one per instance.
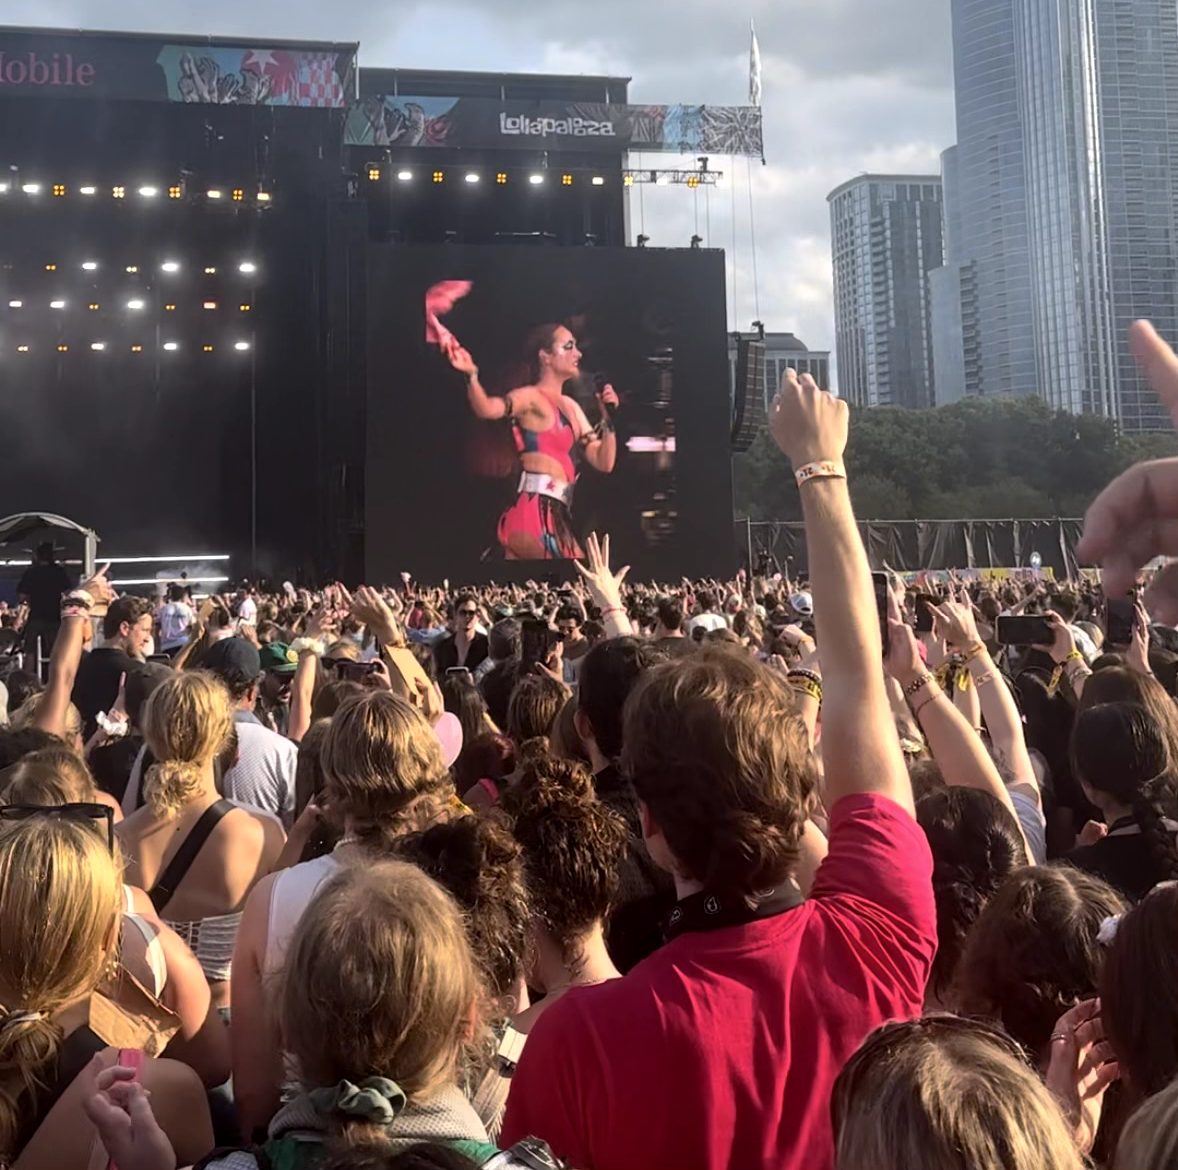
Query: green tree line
{"type": "Point", "coordinates": [976, 459]}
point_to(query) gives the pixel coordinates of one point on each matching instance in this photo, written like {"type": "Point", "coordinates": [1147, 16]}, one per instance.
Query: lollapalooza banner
{"type": "Point", "coordinates": [527, 125]}
{"type": "Point", "coordinates": [144, 68]}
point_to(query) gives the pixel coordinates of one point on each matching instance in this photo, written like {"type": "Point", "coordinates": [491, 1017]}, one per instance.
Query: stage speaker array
{"type": "Point", "coordinates": [748, 395]}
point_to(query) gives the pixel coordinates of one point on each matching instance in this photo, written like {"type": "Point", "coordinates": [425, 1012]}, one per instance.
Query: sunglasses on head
{"type": "Point", "coordinates": [78, 812]}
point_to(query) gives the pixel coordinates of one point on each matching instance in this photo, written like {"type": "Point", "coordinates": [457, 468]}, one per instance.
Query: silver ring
{"type": "Point", "coordinates": [1060, 1036]}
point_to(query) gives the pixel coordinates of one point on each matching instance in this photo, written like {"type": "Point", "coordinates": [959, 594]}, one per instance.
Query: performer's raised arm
{"type": "Point", "coordinates": [483, 404]}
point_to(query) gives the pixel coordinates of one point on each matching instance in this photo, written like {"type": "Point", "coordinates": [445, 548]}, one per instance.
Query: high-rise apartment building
{"type": "Point", "coordinates": [1061, 202]}
{"type": "Point", "coordinates": [886, 233]}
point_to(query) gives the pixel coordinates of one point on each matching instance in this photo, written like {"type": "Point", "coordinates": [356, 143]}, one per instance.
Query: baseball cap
{"type": "Point", "coordinates": [803, 603]}
{"type": "Point", "coordinates": [279, 658]}
{"type": "Point", "coordinates": [235, 660]}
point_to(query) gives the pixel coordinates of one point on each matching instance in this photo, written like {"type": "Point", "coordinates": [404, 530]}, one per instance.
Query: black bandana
{"type": "Point", "coordinates": [705, 911]}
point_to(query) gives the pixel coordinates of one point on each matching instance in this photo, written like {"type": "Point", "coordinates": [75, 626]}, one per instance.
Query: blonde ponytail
{"type": "Point", "coordinates": [170, 785]}
{"type": "Point", "coordinates": [186, 723]}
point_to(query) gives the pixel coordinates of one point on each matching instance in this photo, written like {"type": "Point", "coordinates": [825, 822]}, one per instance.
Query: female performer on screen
{"type": "Point", "coordinates": [549, 428]}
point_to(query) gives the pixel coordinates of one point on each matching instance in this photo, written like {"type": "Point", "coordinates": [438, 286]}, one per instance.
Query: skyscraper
{"type": "Point", "coordinates": [885, 237]}
{"type": "Point", "coordinates": [1063, 226]}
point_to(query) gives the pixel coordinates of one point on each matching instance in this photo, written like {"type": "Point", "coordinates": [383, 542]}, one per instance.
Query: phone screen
{"type": "Point", "coordinates": [1025, 630]}
{"type": "Point", "coordinates": [534, 642]}
{"type": "Point", "coordinates": [924, 615]}
{"type": "Point", "coordinates": [1120, 618]}
{"type": "Point", "coordinates": [880, 581]}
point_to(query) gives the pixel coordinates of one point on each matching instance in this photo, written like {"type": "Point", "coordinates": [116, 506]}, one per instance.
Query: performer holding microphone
{"type": "Point", "coordinates": [548, 426]}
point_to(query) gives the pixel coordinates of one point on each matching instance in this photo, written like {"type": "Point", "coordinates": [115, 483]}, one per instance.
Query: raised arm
{"type": "Point", "coordinates": [483, 404]}
{"type": "Point", "coordinates": [861, 753]}
{"type": "Point", "coordinates": [956, 746]}
{"type": "Point", "coordinates": [53, 705]}
{"type": "Point", "coordinates": [605, 587]}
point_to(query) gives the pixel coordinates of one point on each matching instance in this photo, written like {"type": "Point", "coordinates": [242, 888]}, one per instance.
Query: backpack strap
{"type": "Point", "coordinates": [165, 885]}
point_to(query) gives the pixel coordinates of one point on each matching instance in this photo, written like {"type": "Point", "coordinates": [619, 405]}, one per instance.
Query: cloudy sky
{"type": "Point", "coordinates": [849, 86]}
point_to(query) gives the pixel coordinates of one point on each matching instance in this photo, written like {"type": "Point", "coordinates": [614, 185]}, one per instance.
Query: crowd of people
{"type": "Point", "coordinates": [610, 876]}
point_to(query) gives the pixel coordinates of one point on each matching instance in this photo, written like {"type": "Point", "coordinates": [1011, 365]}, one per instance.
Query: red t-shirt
{"type": "Point", "coordinates": [721, 1049]}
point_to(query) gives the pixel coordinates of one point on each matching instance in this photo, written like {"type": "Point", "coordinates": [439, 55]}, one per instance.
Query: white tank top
{"type": "Point", "coordinates": [290, 895]}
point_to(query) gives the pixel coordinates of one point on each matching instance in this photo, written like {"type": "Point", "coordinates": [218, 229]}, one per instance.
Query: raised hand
{"type": "Point", "coordinates": [956, 622]}
{"type": "Point", "coordinates": [1063, 644]}
{"type": "Point", "coordinates": [369, 607]}
{"type": "Point", "coordinates": [461, 360]}
{"type": "Point", "coordinates": [808, 424]}
{"type": "Point", "coordinates": [604, 585]}
{"type": "Point", "coordinates": [1135, 518]}
{"type": "Point", "coordinates": [1137, 656]}
{"type": "Point", "coordinates": [99, 588]}
{"type": "Point", "coordinates": [1080, 1070]}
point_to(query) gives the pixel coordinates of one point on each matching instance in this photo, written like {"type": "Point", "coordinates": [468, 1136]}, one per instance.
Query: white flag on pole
{"type": "Point", "coordinates": [754, 67]}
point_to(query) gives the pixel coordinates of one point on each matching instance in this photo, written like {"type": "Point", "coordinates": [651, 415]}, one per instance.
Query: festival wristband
{"type": "Point", "coordinates": [822, 469]}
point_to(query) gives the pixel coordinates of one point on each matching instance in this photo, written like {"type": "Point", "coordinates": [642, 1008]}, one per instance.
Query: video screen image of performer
{"type": "Point", "coordinates": [550, 430]}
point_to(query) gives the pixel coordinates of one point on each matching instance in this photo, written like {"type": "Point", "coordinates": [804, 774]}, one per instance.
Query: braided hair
{"type": "Point", "coordinates": [1121, 750]}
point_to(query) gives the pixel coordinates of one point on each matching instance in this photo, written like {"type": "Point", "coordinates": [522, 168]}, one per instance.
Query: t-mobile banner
{"type": "Point", "coordinates": [142, 68]}
{"type": "Point", "coordinates": [487, 123]}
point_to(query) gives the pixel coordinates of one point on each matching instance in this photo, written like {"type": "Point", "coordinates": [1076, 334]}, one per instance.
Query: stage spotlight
{"type": "Point", "coordinates": [471, 177]}
{"type": "Point", "coordinates": [643, 241]}
{"type": "Point", "coordinates": [598, 181]}
{"type": "Point", "coordinates": [247, 267]}
{"type": "Point", "coordinates": [89, 189]}
{"type": "Point", "coordinates": [118, 192]}
{"type": "Point", "coordinates": [31, 188]}
{"type": "Point", "coordinates": [210, 305]}
{"type": "Point", "coordinates": [16, 304]}
{"type": "Point", "coordinates": [136, 349]}
{"type": "Point", "coordinates": [693, 180]}
{"type": "Point", "coordinates": [206, 349]}
{"type": "Point", "coordinates": [501, 178]}
{"type": "Point", "coordinates": [263, 196]}
{"type": "Point", "coordinates": [237, 195]}
{"type": "Point", "coordinates": [210, 270]}
{"type": "Point", "coordinates": [536, 180]}
{"type": "Point", "coordinates": [627, 180]}
{"type": "Point", "coordinates": [149, 192]}
{"type": "Point", "coordinates": [50, 267]}
{"type": "Point", "coordinates": [89, 265]}
{"type": "Point", "coordinates": [214, 193]}
{"type": "Point", "coordinates": [135, 303]}
{"type": "Point", "coordinates": [132, 269]}
{"type": "Point", "coordinates": [93, 306]}
{"type": "Point", "coordinates": [170, 266]}
{"type": "Point", "coordinates": [175, 192]}
{"type": "Point", "coordinates": [566, 180]}
{"type": "Point", "coordinates": [59, 189]}
{"type": "Point", "coordinates": [696, 241]}
{"type": "Point", "coordinates": [22, 349]}
{"type": "Point", "coordinates": [3, 188]}
{"type": "Point", "coordinates": [169, 308]}
{"type": "Point", "coordinates": [98, 346]}
{"type": "Point", "coordinates": [373, 173]}
{"type": "Point", "coordinates": [404, 176]}
{"type": "Point", "coordinates": [171, 346]}
{"type": "Point", "coordinates": [439, 176]}
{"type": "Point", "coordinates": [63, 349]}
{"type": "Point", "coordinates": [244, 308]}
{"type": "Point", "coordinates": [57, 304]}
{"type": "Point", "coordinates": [241, 346]}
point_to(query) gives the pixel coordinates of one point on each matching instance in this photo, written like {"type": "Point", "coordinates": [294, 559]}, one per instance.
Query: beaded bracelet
{"type": "Point", "coordinates": [914, 686]}
{"type": "Point", "coordinates": [803, 672]}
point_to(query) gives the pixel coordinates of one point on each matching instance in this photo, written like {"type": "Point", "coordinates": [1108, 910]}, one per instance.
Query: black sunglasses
{"type": "Point", "coordinates": [468, 613]}
{"type": "Point", "coordinates": [79, 812]}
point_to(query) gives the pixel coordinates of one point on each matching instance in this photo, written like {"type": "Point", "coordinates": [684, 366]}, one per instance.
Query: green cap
{"type": "Point", "coordinates": [279, 658]}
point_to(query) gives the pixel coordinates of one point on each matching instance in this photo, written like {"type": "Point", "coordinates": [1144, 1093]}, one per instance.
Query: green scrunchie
{"type": "Point", "coordinates": [374, 1098]}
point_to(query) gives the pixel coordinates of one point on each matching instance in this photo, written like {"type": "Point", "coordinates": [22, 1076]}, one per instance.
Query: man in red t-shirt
{"type": "Point", "coordinates": [721, 1048]}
